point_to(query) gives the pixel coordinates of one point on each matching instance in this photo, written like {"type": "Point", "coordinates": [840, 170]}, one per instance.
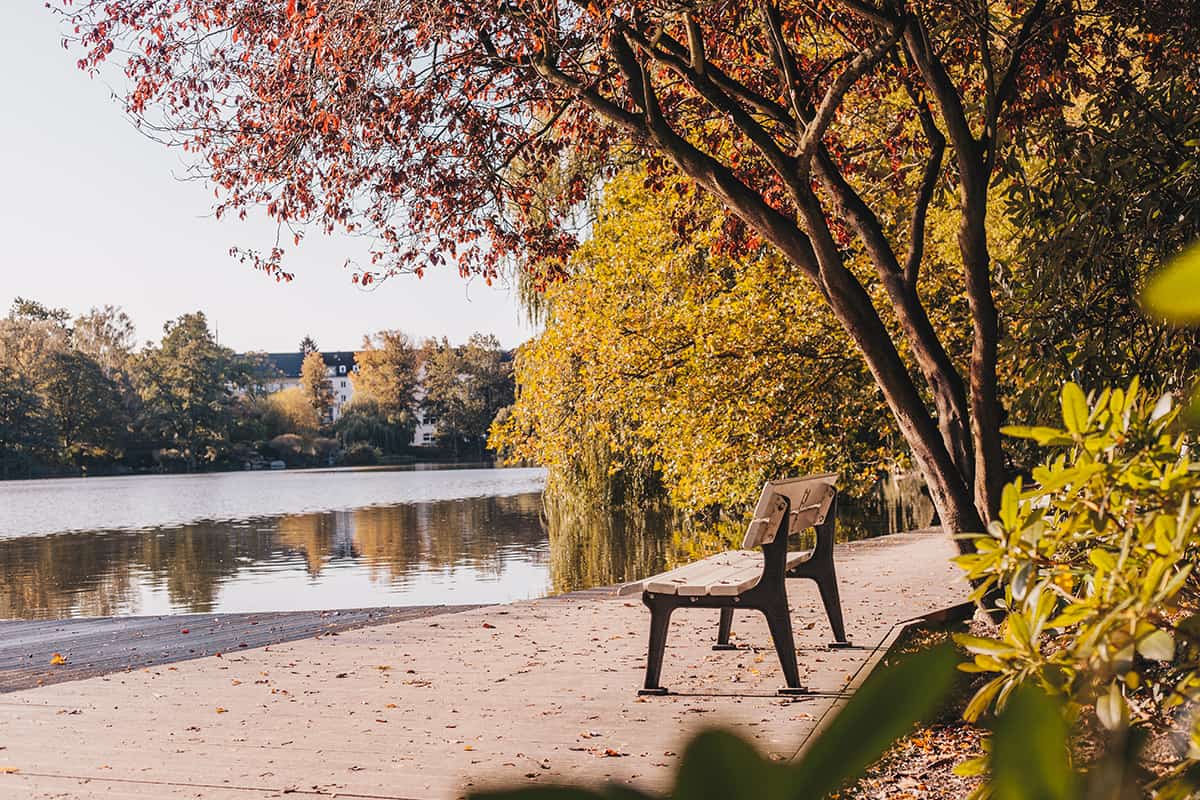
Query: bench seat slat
{"type": "Point", "coordinates": [686, 578]}
{"type": "Point", "coordinates": [715, 575]}
{"type": "Point", "coordinates": [797, 557]}
{"type": "Point", "coordinates": [735, 581]}
{"type": "Point", "coordinates": [697, 577]}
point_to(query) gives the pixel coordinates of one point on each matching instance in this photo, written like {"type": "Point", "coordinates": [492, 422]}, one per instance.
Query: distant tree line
{"type": "Point", "coordinates": [80, 395]}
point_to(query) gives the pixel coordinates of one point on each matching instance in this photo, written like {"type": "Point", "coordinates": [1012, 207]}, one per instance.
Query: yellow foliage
{"type": "Point", "coordinates": [291, 412]}
{"type": "Point", "coordinates": [663, 360]}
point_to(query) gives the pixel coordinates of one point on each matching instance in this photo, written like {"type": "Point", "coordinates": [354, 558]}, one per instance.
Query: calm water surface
{"type": "Point", "coordinates": [324, 539]}
{"type": "Point", "coordinates": [260, 541]}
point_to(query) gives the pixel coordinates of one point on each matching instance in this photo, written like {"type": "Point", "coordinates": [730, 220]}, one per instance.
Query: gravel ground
{"type": "Point", "coordinates": [921, 765]}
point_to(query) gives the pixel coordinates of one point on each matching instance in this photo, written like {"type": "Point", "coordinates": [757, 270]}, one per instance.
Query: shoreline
{"type": "Point", "coordinates": [532, 692]}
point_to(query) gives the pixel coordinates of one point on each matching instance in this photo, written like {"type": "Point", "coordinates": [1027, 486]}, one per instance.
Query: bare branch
{"type": "Point", "coordinates": [868, 11]}
{"type": "Point", "coordinates": [779, 160]}
{"type": "Point", "coordinates": [695, 44]}
{"type": "Point", "coordinates": [785, 61]}
{"type": "Point", "coordinates": [1009, 80]}
{"type": "Point", "coordinates": [603, 106]}
{"type": "Point", "coordinates": [916, 228]}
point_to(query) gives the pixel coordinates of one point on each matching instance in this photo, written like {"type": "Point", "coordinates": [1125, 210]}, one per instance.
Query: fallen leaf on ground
{"type": "Point", "coordinates": [222, 710]}
{"type": "Point", "coordinates": [57, 659]}
{"type": "Point", "coordinates": [9, 770]}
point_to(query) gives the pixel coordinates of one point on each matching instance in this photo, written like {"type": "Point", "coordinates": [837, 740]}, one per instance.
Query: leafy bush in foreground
{"type": "Point", "coordinates": [1094, 569]}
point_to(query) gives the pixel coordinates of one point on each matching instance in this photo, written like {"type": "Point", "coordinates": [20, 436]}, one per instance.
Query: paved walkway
{"type": "Point", "coordinates": [92, 646]}
{"type": "Point", "coordinates": [540, 691]}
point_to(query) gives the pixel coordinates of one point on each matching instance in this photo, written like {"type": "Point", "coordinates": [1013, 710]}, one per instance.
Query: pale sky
{"type": "Point", "coordinates": [92, 212]}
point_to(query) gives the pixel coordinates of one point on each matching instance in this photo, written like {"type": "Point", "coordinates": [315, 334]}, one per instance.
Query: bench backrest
{"type": "Point", "coordinates": [809, 501]}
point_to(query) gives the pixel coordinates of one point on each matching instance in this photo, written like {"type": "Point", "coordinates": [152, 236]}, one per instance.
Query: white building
{"type": "Point", "coordinates": [425, 434]}
{"type": "Point", "coordinates": [339, 366]}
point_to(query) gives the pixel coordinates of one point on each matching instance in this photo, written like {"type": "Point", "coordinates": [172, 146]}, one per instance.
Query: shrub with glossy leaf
{"type": "Point", "coordinates": [1094, 568]}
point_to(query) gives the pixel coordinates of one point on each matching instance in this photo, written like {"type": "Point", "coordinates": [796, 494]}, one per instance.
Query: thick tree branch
{"type": "Point", "coordinates": [832, 100]}
{"type": "Point", "coordinates": [920, 52]}
{"type": "Point", "coordinates": [769, 222]}
{"type": "Point", "coordinates": [766, 144]}
{"type": "Point", "coordinates": [933, 169]}
{"type": "Point", "coordinates": [601, 105]}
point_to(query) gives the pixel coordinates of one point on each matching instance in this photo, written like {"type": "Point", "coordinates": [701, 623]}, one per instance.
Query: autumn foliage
{"type": "Point", "coordinates": [472, 133]}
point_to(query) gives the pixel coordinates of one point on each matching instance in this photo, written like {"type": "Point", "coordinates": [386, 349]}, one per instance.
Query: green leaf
{"type": "Point", "coordinates": [1157, 646]}
{"type": "Point", "coordinates": [1010, 504]}
{"type": "Point", "coordinates": [983, 698]}
{"type": "Point", "coordinates": [719, 766]}
{"type": "Point", "coordinates": [1173, 294]}
{"type": "Point", "coordinates": [1041, 434]}
{"type": "Point", "coordinates": [1074, 408]}
{"type": "Point", "coordinates": [1102, 559]}
{"type": "Point", "coordinates": [1029, 750]}
{"type": "Point", "coordinates": [1111, 709]}
{"type": "Point", "coordinates": [978, 644]}
{"type": "Point", "coordinates": [882, 711]}
{"type": "Point", "coordinates": [971, 767]}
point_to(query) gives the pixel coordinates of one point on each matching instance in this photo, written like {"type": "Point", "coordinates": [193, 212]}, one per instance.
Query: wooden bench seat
{"type": "Point", "coordinates": [727, 573]}
{"type": "Point", "coordinates": [753, 579]}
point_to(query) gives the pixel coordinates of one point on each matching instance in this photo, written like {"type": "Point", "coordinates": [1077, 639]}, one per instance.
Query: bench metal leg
{"type": "Point", "coordinates": [660, 622]}
{"type": "Point", "coordinates": [723, 629]}
{"type": "Point", "coordinates": [780, 624]}
{"type": "Point", "coordinates": [827, 584]}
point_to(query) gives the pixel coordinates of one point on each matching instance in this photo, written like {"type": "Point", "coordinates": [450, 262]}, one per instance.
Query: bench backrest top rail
{"type": "Point", "coordinates": [808, 497]}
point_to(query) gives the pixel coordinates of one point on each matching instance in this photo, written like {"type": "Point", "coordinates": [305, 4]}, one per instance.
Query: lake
{"type": "Point", "coordinates": [318, 539]}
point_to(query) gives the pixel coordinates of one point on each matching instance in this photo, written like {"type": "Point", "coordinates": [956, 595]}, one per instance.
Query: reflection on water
{"type": "Point", "coordinates": [466, 551]}
{"type": "Point", "coordinates": [397, 548]}
{"type": "Point", "coordinates": [592, 547]}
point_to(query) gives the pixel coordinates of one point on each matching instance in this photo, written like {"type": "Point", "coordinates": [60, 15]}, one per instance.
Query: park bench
{"type": "Point", "coordinates": [753, 580]}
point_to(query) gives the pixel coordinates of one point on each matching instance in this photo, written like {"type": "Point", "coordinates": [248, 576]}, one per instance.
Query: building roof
{"type": "Point", "coordinates": [289, 363]}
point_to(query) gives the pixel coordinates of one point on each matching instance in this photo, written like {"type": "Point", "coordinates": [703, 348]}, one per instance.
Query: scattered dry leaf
{"type": "Point", "coordinates": [57, 659]}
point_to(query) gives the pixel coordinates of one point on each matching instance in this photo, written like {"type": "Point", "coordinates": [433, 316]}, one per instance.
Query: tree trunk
{"type": "Point", "coordinates": [943, 379]}
{"type": "Point", "coordinates": [853, 308]}
{"type": "Point", "coordinates": [986, 411]}
{"type": "Point", "coordinates": [819, 257]}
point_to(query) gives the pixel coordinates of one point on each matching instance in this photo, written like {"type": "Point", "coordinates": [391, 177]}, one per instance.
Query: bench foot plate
{"type": "Point", "coordinates": [793, 691]}
{"type": "Point", "coordinates": [658, 691]}
{"type": "Point", "coordinates": [727, 647]}
{"type": "Point", "coordinates": [841, 645]}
